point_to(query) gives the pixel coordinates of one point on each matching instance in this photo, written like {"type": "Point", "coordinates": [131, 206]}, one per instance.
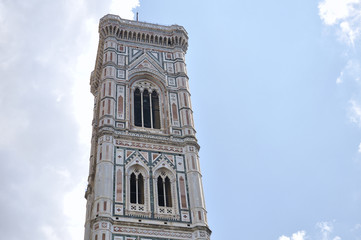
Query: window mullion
{"type": "Point", "coordinates": [141, 102]}
{"type": "Point", "coordinates": [151, 110]}
{"type": "Point", "coordinates": [164, 193]}
{"type": "Point", "coordinates": [136, 190]}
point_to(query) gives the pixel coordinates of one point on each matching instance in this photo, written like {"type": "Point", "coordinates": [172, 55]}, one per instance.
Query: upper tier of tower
{"type": "Point", "coordinates": [142, 32]}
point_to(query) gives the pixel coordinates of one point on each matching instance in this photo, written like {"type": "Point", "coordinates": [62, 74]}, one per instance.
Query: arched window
{"type": "Point", "coordinates": [160, 191]}
{"type": "Point", "coordinates": [164, 192]}
{"type": "Point", "coordinates": [136, 188]}
{"type": "Point", "coordinates": [168, 192]}
{"type": "Point", "coordinates": [166, 202]}
{"type": "Point", "coordinates": [137, 108]}
{"type": "Point", "coordinates": [137, 195]}
{"type": "Point", "coordinates": [146, 109]}
{"type": "Point", "coordinates": [155, 110]}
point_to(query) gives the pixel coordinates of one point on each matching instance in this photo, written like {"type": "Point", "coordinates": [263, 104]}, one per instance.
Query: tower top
{"type": "Point", "coordinates": [172, 36]}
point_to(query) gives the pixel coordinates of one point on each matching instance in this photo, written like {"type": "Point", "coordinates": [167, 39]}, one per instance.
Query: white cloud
{"type": "Point", "coordinates": [339, 80]}
{"type": "Point", "coordinates": [49, 232]}
{"type": "Point", "coordinates": [283, 237]}
{"type": "Point", "coordinates": [352, 70]}
{"type": "Point", "coordinates": [46, 111]}
{"type": "Point", "coordinates": [124, 8]}
{"type": "Point", "coordinates": [355, 112]}
{"type": "Point", "coordinates": [345, 14]}
{"type": "Point", "coordinates": [73, 201]}
{"type": "Point", "coordinates": [332, 11]}
{"type": "Point", "coordinates": [300, 235]}
{"type": "Point", "coordinates": [325, 227]}
{"type": "Point", "coordinates": [348, 32]}
{"type": "Point", "coordinates": [326, 230]}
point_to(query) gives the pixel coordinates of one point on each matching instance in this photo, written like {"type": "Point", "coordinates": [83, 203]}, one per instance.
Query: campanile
{"type": "Point", "coordinates": [144, 177]}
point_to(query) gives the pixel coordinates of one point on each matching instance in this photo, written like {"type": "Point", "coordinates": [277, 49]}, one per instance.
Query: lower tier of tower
{"type": "Point", "coordinates": [145, 190]}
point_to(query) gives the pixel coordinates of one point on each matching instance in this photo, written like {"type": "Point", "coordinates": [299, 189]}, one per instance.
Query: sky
{"type": "Point", "coordinates": [276, 94]}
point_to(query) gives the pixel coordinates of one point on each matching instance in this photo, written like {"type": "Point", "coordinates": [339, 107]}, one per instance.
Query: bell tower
{"type": "Point", "coordinates": [144, 177]}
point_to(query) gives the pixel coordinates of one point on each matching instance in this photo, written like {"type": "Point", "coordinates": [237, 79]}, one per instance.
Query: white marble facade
{"type": "Point", "coordinates": [144, 176]}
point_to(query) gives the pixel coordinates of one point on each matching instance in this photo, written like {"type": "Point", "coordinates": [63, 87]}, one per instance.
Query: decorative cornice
{"type": "Point", "coordinates": [139, 24]}
{"type": "Point", "coordinates": [165, 140]}
{"type": "Point", "coordinates": [152, 232]}
{"type": "Point", "coordinates": [169, 37]}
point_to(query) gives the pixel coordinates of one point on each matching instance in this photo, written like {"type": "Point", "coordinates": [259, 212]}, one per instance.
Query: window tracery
{"type": "Point", "coordinates": [146, 105]}
{"type": "Point", "coordinates": [137, 191]}
{"type": "Point", "coordinates": [165, 194]}
{"type": "Point", "coordinates": [164, 191]}
{"type": "Point", "coordinates": [136, 187]}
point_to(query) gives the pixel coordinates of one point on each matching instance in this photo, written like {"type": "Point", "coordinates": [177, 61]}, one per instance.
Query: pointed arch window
{"type": "Point", "coordinates": [137, 197]}
{"type": "Point", "coordinates": [137, 108]}
{"type": "Point", "coordinates": [155, 110]}
{"type": "Point", "coordinates": [166, 202]}
{"type": "Point", "coordinates": [136, 188]}
{"type": "Point", "coordinates": [146, 109]}
{"type": "Point", "coordinates": [164, 192]}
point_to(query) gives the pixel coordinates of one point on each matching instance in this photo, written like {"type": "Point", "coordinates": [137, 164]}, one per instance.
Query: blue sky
{"type": "Point", "coordinates": [276, 96]}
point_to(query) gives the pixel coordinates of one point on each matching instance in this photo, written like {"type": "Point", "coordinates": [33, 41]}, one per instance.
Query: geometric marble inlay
{"type": "Point", "coordinates": [144, 180]}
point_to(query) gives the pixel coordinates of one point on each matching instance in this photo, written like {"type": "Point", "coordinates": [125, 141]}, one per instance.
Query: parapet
{"type": "Point", "coordinates": [141, 32]}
